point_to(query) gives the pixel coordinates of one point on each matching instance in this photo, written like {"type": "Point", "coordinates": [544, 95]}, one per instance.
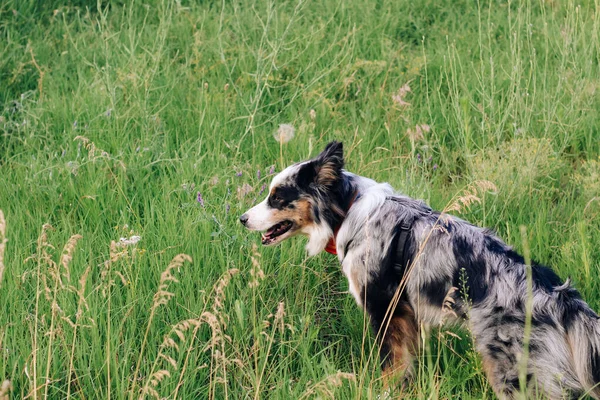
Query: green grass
{"type": "Point", "coordinates": [182, 97]}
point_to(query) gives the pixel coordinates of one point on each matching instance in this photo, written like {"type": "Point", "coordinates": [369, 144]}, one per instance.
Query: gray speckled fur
{"type": "Point", "coordinates": [560, 359]}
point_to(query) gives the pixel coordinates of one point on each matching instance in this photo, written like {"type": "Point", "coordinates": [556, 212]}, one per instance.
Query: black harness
{"type": "Point", "coordinates": [403, 232]}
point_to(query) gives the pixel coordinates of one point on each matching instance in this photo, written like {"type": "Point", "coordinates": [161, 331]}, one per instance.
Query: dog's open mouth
{"type": "Point", "coordinates": [271, 235]}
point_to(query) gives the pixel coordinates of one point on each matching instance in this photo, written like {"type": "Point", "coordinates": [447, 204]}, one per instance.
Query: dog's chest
{"type": "Point", "coordinates": [355, 284]}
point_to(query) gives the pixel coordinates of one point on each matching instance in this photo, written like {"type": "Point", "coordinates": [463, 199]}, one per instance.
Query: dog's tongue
{"type": "Point", "coordinates": [270, 233]}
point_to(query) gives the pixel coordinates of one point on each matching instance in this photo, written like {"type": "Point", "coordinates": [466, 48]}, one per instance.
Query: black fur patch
{"type": "Point", "coordinates": [306, 177]}
{"type": "Point", "coordinates": [544, 278]}
{"type": "Point", "coordinates": [471, 271]}
{"type": "Point", "coordinates": [514, 384]}
{"type": "Point", "coordinates": [348, 244]}
{"type": "Point", "coordinates": [501, 354]}
{"type": "Point", "coordinates": [595, 362]}
{"type": "Point", "coordinates": [543, 319]}
{"type": "Point", "coordinates": [316, 214]}
{"type": "Point", "coordinates": [497, 247]}
{"type": "Point", "coordinates": [283, 196]}
{"type": "Point", "coordinates": [384, 282]}
{"type": "Point", "coordinates": [435, 291]}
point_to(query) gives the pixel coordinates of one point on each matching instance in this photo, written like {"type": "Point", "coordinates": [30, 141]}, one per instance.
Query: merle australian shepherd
{"type": "Point", "coordinates": [410, 267]}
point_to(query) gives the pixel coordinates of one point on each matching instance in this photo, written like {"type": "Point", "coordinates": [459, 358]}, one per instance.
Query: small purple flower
{"type": "Point", "coordinates": [108, 113]}
{"type": "Point", "coordinates": [419, 157]}
{"type": "Point", "coordinates": [227, 208]}
{"type": "Point", "coordinates": [272, 170]}
{"type": "Point", "coordinates": [262, 189]}
{"type": "Point", "coordinates": [258, 174]}
{"type": "Point", "coordinates": [200, 199]}
{"type": "Point", "coordinates": [435, 166]}
{"type": "Point", "coordinates": [238, 174]}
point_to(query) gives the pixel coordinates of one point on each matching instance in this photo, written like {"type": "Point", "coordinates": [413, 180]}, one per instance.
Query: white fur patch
{"type": "Point", "coordinates": [318, 236]}
{"type": "Point", "coordinates": [260, 217]}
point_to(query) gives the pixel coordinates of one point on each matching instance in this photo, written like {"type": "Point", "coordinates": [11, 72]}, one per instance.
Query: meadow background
{"type": "Point", "coordinates": [156, 119]}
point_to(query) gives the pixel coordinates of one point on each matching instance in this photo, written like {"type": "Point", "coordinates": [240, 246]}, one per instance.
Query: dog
{"type": "Point", "coordinates": [409, 267]}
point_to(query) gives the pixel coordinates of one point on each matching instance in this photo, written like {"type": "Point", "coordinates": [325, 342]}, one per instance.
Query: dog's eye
{"type": "Point", "coordinates": [277, 198]}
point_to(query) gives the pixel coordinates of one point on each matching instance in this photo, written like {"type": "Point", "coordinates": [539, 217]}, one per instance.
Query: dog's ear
{"type": "Point", "coordinates": [325, 169]}
{"type": "Point", "coordinates": [330, 162]}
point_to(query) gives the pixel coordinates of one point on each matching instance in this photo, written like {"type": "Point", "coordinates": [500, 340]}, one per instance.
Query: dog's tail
{"type": "Point", "coordinates": [583, 333]}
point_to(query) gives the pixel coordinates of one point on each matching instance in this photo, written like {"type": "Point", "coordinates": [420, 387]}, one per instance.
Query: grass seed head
{"type": "Point", "coordinates": [67, 256]}
{"type": "Point", "coordinates": [5, 390]}
{"type": "Point", "coordinates": [472, 194]}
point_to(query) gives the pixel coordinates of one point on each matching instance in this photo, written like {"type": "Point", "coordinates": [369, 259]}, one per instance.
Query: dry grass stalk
{"type": "Point", "coordinates": [216, 320]}
{"type": "Point", "coordinates": [81, 305]}
{"type": "Point", "coordinates": [219, 295]}
{"type": "Point", "coordinates": [55, 273]}
{"type": "Point", "coordinates": [91, 147]}
{"type": "Point", "coordinates": [472, 194]}
{"type": "Point", "coordinates": [179, 330]}
{"type": "Point", "coordinates": [256, 272]}
{"type": "Point", "coordinates": [3, 241]}
{"type": "Point", "coordinates": [215, 326]}
{"type": "Point", "coordinates": [161, 297]}
{"type": "Point", "coordinates": [116, 253]}
{"type": "Point", "coordinates": [325, 386]}
{"type": "Point", "coordinates": [278, 322]}
{"type": "Point", "coordinates": [178, 335]}
{"type": "Point", "coordinates": [67, 256]}
{"type": "Point", "coordinates": [217, 346]}
{"type": "Point", "coordinates": [279, 315]}
{"type": "Point", "coordinates": [93, 150]}
{"type": "Point", "coordinates": [42, 255]}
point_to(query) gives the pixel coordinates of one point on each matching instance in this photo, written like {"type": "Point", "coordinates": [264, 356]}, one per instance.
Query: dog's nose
{"type": "Point", "coordinates": [244, 219]}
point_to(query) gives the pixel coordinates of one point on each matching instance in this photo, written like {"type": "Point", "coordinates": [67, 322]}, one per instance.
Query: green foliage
{"type": "Point", "coordinates": [115, 115]}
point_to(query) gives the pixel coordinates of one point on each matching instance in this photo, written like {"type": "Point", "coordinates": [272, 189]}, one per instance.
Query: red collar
{"type": "Point", "coordinates": [330, 248]}
{"type": "Point", "coordinates": [331, 245]}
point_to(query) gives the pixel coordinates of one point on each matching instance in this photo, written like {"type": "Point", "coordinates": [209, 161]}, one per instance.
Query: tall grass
{"type": "Point", "coordinates": [140, 131]}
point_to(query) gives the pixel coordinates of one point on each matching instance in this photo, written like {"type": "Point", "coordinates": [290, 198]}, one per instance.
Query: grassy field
{"type": "Point", "coordinates": [156, 119]}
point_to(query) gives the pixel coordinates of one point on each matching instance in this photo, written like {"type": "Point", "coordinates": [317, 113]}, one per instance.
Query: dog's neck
{"type": "Point", "coordinates": [331, 244]}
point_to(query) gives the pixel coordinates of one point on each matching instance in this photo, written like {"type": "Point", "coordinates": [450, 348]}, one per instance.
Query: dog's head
{"type": "Point", "coordinates": [305, 198]}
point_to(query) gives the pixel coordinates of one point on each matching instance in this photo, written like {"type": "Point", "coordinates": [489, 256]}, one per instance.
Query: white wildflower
{"type": "Point", "coordinates": [285, 133]}
{"type": "Point", "coordinates": [133, 240]}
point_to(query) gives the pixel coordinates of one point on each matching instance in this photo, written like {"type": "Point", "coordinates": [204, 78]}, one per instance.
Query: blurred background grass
{"type": "Point", "coordinates": [114, 116]}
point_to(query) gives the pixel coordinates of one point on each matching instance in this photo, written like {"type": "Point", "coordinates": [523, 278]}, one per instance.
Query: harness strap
{"type": "Point", "coordinates": [402, 261]}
